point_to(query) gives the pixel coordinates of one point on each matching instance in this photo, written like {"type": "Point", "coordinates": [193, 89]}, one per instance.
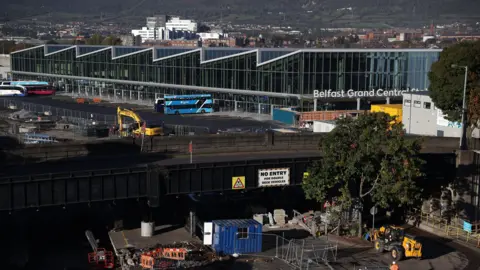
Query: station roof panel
{"type": "Point", "coordinates": [55, 48]}
{"type": "Point", "coordinates": [267, 55]}
{"type": "Point", "coordinates": [264, 55]}
{"type": "Point", "coordinates": [169, 51]}
{"type": "Point", "coordinates": [89, 49]}
{"type": "Point", "coordinates": [122, 50]}
{"type": "Point", "coordinates": [210, 53]}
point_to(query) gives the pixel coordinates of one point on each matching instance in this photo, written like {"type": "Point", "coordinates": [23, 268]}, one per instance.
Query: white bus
{"type": "Point", "coordinates": [12, 91]}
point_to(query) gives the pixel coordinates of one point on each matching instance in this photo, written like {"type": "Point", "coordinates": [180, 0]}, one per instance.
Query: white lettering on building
{"type": "Point", "coordinates": [359, 94]}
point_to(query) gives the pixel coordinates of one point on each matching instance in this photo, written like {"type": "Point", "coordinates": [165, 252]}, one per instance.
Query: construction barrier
{"type": "Point", "coordinates": [454, 229]}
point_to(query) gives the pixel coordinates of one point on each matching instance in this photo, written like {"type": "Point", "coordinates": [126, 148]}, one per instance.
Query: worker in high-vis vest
{"type": "Point", "coordinates": [394, 266]}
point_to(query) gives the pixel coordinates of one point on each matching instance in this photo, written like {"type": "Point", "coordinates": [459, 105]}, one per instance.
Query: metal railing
{"type": "Point", "coordinates": [172, 147]}
{"type": "Point", "coordinates": [301, 254]}
{"type": "Point", "coordinates": [69, 115]}
{"type": "Point", "coordinates": [453, 229]}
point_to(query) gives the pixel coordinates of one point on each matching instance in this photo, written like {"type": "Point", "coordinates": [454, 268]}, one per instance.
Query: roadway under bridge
{"type": "Point", "coordinates": [152, 180]}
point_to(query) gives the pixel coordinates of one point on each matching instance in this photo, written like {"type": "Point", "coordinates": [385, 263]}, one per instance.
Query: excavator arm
{"type": "Point", "coordinates": [139, 122]}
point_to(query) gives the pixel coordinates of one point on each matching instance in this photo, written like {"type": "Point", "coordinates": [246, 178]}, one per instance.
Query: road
{"type": "Point", "coordinates": [90, 163]}
{"type": "Point", "coordinates": [214, 123]}
{"type": "Point", "coordinates": [439, 254]}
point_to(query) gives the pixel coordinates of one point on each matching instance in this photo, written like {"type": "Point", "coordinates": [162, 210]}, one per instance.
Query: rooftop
{"type": "Point", "coordinates": [210, 54]}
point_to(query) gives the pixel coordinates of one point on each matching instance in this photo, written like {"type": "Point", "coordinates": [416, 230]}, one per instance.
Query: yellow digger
{"type": "Point", "coordinates": [394, 240]}
{"type": "Point", "coordinates": [139, 126]}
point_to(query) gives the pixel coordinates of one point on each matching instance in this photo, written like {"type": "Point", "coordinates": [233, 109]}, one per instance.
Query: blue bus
{"type": "Point", "coordinates": [184, 104]}
{"type": "Point", "coordinates": [23, 83]}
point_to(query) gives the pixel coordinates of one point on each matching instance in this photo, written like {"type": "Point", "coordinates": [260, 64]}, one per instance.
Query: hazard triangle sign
{"type": "Point", "coordinates": [238, 182]}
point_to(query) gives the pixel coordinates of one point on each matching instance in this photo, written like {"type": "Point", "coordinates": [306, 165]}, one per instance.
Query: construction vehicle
{"type": "Point", "coordinates": [100, 257]}
{"type": "Point", "coordinates": [139, 126]}
{"type": "Point", "coordinates": [394, 240]}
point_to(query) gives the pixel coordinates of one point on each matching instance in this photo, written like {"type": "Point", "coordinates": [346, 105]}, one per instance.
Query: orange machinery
{"type": "Point", "coordinates": [100, 257]}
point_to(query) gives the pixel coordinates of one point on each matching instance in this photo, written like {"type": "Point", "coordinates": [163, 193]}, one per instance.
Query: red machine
{"type": "Point", "coordinates": [100, 257]}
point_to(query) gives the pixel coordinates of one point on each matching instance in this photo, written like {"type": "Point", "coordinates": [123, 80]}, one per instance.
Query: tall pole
{"type": "Point", "coordinates": [463, 139]}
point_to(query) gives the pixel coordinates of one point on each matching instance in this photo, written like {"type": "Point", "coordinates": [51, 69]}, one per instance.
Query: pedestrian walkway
{"type": "Point", "coordinates": [457, 229]}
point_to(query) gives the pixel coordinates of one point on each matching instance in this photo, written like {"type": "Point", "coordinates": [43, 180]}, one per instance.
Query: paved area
{"type": "Point", "coordinates": [213, 122]}
{"type": "Point", "coordinates": [165, 234]}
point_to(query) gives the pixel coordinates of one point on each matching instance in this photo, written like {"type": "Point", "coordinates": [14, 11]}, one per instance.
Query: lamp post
{"type": "Point", "coordinates": [463, 139]}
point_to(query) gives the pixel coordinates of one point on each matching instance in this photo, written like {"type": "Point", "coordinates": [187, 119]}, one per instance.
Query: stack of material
{"type": "Point", "coordinates": [279, 216]}
{"type": "Point", "coordinates": [259, 218]}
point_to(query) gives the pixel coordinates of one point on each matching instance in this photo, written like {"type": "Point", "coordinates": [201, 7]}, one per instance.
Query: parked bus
{"type": "Point", "coordinates": [13, 91]}
{"type": "Point", "coordinates": [34, 87]}
{"type": "Point", "coordinates": [185, 104]}
{"type": "Point", "coordinates": [23, 83]}
{"type": "Point", "coordinates": [40, 89]}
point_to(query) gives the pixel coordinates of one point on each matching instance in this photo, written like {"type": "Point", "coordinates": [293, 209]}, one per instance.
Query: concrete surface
{"type": "Point", "coordinates": [165, 234]}
{"type": "Point", "coordinates": [213, 122]}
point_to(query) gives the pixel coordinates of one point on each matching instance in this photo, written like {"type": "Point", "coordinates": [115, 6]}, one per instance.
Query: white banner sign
{"type": "Point", "coordinates": [274, 177]}
{"type": "Point", "coordinates": [359, 94]}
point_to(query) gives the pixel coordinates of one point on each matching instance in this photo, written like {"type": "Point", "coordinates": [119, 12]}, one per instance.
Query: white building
{"type": "Point", "coordinates": [160, 27]}
{"type": "Point", "coordinates": [176, 24]}
{"type": "Point", "coordinates": [212, 35]}
{"type": "Point", "coordinates": [159, 33]}
{"type": "Point", "coordinates": [4, 66]}
{"type": "Point", "coordinates": [421, 117]}
{"type": "Point", "coordinates": [156, 21]}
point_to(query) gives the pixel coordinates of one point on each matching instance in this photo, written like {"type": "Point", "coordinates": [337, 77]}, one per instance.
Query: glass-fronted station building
{"type": "Point", "coordinates": [267, 76]}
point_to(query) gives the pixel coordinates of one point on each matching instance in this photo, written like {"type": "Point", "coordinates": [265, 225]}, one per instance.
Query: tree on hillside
{"type": "Point", "coordinates": [446, 82]}
{"type": "Point", "coordinates": [95, 39]}
{"type": "Point", "coordinates": [366, 163]}
{"type": "Point", "coordinates": [112, 41]}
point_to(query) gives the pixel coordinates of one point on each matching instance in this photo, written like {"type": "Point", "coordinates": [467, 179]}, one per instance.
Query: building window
{"type": "Point", "coordinates": [427, 105]}
{"type": "Point", "coordinates": [407, 102]}
{"type": "Point", "coordinates": [242, 233]}
{"type": "Point", "coordinates": [417, 104]}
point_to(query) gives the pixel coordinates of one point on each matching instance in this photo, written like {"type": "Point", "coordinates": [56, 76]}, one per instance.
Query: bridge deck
{"type": "Point", "coordinates": [92, 163]}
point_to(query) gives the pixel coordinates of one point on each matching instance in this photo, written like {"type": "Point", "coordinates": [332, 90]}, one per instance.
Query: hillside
{"type": "Point", "coordinates": [306, 12]}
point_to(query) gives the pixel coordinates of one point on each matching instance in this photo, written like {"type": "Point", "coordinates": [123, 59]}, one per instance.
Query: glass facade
{"type": "Point", "coordinates": [287, 71]}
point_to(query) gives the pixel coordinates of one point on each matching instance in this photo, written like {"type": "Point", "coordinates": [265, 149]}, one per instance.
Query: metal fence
{"type": "Point", "coordinates": [147, 98]}
{"type": "Point", "coordinates": [302, 254]}
{"type": "Point", "coordinates": [71, 116]}
{"type": "Point", "coordinates": [453, 228]}
{"type": "Point", "coordinates": [79, 121]}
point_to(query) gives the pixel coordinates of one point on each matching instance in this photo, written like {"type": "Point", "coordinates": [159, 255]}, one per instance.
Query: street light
{"type": "Point", "coordinates": [463, 139]}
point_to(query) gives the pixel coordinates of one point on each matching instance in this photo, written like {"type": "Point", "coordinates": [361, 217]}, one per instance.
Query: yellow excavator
{"type": "Point", "coordinates": [139, 126]}
{"type": "Point", "coordinates": [394, 240]}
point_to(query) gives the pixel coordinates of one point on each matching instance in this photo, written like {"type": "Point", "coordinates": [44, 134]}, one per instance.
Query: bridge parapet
{"type": "Point", "coordinates": [207, 144]}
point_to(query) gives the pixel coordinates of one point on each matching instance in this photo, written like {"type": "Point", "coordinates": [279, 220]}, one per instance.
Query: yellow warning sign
{"type": "Point", "coordinates": [306, 175]}
{"type": "Point", "coordinates": [238, 182]}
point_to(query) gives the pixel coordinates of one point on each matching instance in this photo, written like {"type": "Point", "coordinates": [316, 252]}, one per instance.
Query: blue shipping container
{"type": "Point", "coordinates": [240, 236]}
{"type": "Point", "coordinates": [285, 116]}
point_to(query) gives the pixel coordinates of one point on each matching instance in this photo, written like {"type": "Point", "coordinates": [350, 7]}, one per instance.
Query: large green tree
{"type": "Point", "coordinates": [446, 82]}
{"type": "Point", "coordinates": [366, 160]}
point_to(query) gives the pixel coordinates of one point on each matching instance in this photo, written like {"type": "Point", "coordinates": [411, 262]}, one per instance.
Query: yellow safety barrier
{"type": "Point", "coordinates": [453, 229]}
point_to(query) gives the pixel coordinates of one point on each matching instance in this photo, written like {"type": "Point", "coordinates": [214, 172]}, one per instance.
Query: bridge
{"type": "Point", "coordinates": [170, 177]}
{"type": "Point", "coordinates": [178, 146]}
